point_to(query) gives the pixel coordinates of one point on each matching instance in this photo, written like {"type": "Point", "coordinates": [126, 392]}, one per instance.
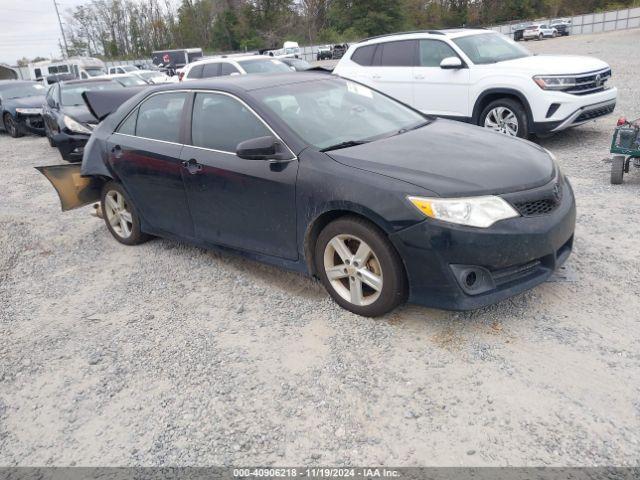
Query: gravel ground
{"type": "Point", "coordinates": [166, 354]}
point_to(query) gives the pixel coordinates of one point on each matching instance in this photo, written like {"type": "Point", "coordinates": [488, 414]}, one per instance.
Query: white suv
{"type": "Point", "coordinates": [482, 77]}
{"type": "Point", "coordinates": [223, 66]}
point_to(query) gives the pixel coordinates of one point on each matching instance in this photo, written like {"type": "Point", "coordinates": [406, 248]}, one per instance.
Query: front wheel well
{"type": "Point", "coordinates": [491, 96]}
{"type": "Point", "coordinates": [313, 232]}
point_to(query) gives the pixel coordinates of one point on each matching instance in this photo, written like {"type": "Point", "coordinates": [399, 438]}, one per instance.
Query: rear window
{"type": "Point", "coordinates": [159, 117]}
{"type": "Point", "coordinates": [228, 69]}
{"type": "Point", "coordinates": [364, 55]}
{"type": "Point", "coordinates": [196, 72]}
{"type": "Point", "coordinates": [398, 54]}
{"type": "Point", "coordinates": [211, 70]}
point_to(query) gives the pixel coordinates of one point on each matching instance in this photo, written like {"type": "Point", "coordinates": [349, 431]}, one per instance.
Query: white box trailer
{"type": "Point", "coordinates": [76, 67]}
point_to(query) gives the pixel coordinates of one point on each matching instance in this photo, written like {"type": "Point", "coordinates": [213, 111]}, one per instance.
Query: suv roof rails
{"type": "Point", "coordinates": [432, 32]}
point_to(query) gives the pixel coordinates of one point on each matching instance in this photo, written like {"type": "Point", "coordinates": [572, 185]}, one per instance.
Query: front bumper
{"type": "Point", "coordinates": [574, 110]}
{"type": "Point", "coordinates": [517, 254]}
{"type": "Point", "coordinates": [71, 146]}
{"type": "Point", "coordinates": [30, 123]}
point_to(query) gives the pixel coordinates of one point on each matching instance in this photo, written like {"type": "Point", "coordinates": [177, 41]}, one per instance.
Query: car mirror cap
{"type": "Point", "coordinates": [260, 148]}
{"type": "Point", "coordinates": [451, 63]}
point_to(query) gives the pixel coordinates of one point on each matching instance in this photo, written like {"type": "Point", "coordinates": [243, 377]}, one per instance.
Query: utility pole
{"type": "Point", "coordinates": [64, 39]}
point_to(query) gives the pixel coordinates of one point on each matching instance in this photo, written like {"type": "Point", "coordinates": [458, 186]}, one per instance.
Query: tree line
{"type": "Point", "coordinates": [132, 28]}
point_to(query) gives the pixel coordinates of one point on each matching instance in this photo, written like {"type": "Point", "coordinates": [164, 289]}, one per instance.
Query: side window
{"type": "Point", "coordinates": [128, 127]}
{"type": "Point", "coordinates": [195, 72]}
{"type": "Point", "coordinates": [364, 55]}
{"type": "Point", "coordinates": [211, 70]}
{"type": "Point", "coordinates": [398, 54]}
{"type": "Point", "coordinates": [228, 69]}
{"type": "Point", "coordinates": [432, 52]}
{"type": "Point", "coordinates": [221, 122]}
{"type": "Point", "coordinates": [159, 117]}
{"type": "Point", "coordinates": [38, 73]}
{"type": "Point", "coordinates": [120, 70]}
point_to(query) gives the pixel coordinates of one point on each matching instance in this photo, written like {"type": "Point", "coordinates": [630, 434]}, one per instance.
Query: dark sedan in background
{"type": "Point", "coordinates": [21, 107]}
{"type": "Point", "coordinates": [326, 176]}
{"type": "Point", "coordinates": [67, 120]}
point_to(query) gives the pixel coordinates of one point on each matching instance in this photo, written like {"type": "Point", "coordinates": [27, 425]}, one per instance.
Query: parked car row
{"type": "Point", "coordinates": [541, 30]}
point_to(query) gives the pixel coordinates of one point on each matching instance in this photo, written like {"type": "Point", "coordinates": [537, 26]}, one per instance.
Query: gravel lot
{"type": "Point", "coordinates": [166, 354]}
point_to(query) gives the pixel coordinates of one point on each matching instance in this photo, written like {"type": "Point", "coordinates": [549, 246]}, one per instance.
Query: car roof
{"type": "Point", "coordinates": [239, 58]}
{"type": "Point", "coordinates": [89, 81]}
{"type": "Point", "coordinates": [419, 34]}
{"type": "Point", "coordinates": [247, 83]}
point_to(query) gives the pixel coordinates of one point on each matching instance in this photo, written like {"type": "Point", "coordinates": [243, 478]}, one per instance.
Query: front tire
{"type": "Point", "coordinates": [359, 267]}
{"type": "Point", "coordinates": [11, 126]}
{"type": "Point", "coordinates": [47, 134]}
{"type": "Point", "coordinates": [617, 169]}
{"type": "Point", "coordinates": [120, 215]}
{"type": "Point", "coordinates": [506, 116]}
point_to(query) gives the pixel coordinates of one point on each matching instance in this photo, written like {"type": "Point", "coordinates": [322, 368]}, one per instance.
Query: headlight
{"type": "Point", "coordinates": [29, 111]}
{"type": "Point", "coordinates": [554, 83]}
{"type": "Point", "coordinates": [471, 211]}
{"type": "Point", "coordinates": [75, 126]}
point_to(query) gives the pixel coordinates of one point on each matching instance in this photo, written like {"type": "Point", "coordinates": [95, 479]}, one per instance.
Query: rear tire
{"type": "Point", "coordinates": [540, 37]}
{"type": "Point", "coordinates": [120, 215]}
{"type": "Point", "coordinates": [11, 126]}
{"type": "Point", "coordinates": [617, 169]}
{"type": "Point", "coordinates": [359, 267]}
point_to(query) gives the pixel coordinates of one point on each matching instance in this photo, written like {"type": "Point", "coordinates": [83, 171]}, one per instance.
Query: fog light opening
{"type": "Point", "coordinates": [470, 279]}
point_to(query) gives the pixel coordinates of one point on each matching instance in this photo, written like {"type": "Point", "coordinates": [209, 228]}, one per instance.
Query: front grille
{"type": "Point", "coordinates": [595, 113]}
{"type": "Point", "coordinates": [541, 205]}
{"type": "Point", "coordinates": [590, 83]}
{"type": "Point", "coordinates": [35, 122]}
{"type": "Point", "coordinates": [537, 207]}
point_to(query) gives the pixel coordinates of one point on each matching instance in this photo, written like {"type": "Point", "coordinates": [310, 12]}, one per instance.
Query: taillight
{"type": "Point", "coordinates": [621, 121]}
{"type": "Point", "coordinates": [180, 75]}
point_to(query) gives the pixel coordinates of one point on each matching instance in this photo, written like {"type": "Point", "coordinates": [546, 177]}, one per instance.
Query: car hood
{"type": "Point", "coordinates": [453, 159]}
{"type": "Point", "coordinates": [80, 113]}
{"type": "Point", "coordinates": [27, 102]}
{"type": "Point", "coordinates": [555, 64]}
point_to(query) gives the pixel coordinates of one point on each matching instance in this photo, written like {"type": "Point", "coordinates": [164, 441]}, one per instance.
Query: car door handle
{"type": "Point", "coordinates": [192, 166]}
{"type": "Point", "coordinates": [418, 77]}
{"type": "Point", "coordinates": [376, 77]}
{"type": "Point", "coordinates": [117, 151]}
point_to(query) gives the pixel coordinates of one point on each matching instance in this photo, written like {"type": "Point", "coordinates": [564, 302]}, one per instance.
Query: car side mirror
{"type": "Point", "coordinates": [51, 102]}
{"type": "Point", "coordinates": [451, 63]}
{"type": "Point", "coordinates": [261, 148]}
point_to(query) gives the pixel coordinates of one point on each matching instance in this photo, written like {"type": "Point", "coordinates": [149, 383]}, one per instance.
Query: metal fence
{"type": "Point", "coordinates": [591, 22]}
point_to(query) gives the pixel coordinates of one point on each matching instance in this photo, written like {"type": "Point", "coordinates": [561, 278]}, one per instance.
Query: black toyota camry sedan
{"type": "Point", "coordinates": [67, 120]}
{"type": "Point", "coordinates": [326, 176]}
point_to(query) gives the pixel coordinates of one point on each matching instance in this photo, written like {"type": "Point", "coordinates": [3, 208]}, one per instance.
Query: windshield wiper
{"type": "Point", "coordinates": [347, 144]}
{"type": "Point", "coordinates": [415, 127]}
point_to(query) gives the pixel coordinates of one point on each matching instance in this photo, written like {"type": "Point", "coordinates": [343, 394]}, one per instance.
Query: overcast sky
{"type": "Point", "coordinates": [29, 28]}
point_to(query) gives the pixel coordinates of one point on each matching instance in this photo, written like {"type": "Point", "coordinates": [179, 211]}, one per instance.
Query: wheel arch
{"type": "Point", "coordinates": [321, 220]}
{"type": "Point", "coordinates": [492, 94]}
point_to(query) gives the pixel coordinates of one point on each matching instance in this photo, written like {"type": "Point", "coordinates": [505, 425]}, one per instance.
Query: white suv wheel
{"type": "Point", "coordinates": [503, 120]}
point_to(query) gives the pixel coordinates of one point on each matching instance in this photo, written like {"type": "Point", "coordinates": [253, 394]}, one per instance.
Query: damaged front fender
{"type": "Point", "coordinates": [73, 189]}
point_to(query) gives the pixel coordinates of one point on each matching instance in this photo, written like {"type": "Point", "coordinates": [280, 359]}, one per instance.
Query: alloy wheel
{"type": "Point", "coordinates": [503, 120]}
{"type": "Point", "coordinates": [118, 214]}
{"type": "Point", "coordinates": [353, 269]}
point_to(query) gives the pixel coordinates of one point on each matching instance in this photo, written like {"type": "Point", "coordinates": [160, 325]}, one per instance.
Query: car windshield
{"type": "Point", "coordinates": [299, 65]}
{"type": "Point", "coordinates": [486, 48]}
{"type": "Point", "coordinates": [327, 113]}
{"type": "Point", "coordinates": [72, 94]}
{"type": "Point", "coordinates": [151, 75]}
{"type": "Point", "coordinates": [20, 91]}
{"type": "Point", "coordinates": [264, 66]}
{"type": "Point", "coordinates": [95, 71]}
{"type": "Point", "coordinates": [131, 81]}
{"type": "Point", "coordinates": [129, 68]}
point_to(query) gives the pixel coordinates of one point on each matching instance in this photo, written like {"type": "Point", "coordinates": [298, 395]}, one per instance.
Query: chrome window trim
{"type": "Point", "coordinates": [201, 90]}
